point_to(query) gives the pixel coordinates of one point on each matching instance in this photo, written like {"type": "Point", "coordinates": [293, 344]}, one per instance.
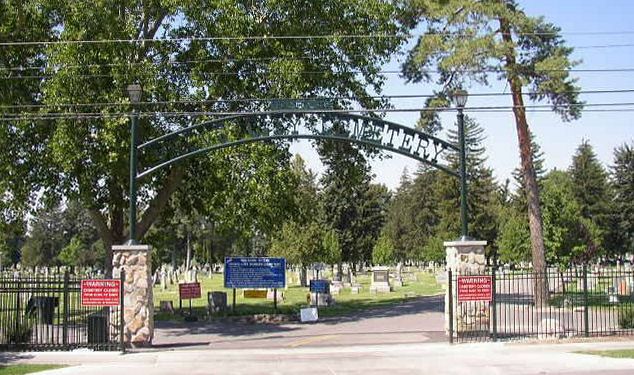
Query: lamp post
{"type": "Point", "coordinates": [134, 93]}
{"type": "Point", "coordinates": [460, 100]}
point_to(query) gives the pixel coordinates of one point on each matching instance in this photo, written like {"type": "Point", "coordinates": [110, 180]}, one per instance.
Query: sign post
{"type": "Point", "coordinates": [188, 291]}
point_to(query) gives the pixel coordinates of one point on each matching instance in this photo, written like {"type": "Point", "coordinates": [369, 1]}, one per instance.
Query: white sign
{"type": "Point", "coordinates": [308, 314]}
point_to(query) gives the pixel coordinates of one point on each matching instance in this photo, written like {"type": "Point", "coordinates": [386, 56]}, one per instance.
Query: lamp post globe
{"type": "Point", "coordinates": [460, 97]}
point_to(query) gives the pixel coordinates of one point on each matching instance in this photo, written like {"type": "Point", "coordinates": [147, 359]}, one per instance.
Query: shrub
{"type": "Point", "coordinates": [626, 318]}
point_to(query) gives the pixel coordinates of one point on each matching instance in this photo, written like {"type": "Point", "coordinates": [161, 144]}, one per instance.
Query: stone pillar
{"type": "Point", "coordinates": [137, 300]}
{"type": "Point", "coordinates": [465, 258]}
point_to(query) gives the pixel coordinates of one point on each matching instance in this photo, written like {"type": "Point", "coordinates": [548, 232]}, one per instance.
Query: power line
{"type": "Point", "coordinates": [319, 72]}
{"type": "Point", "coordinates": [75, 115]}
{"type": "Point", "coordinates": [268, 100]}
{"type": "Point", "coordinates": [282, 37]}
{"type": "Point", "coordinates": [54, 68]}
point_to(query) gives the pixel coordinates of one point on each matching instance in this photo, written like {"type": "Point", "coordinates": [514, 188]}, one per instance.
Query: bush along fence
{"type": "Point", "coordinates": [46, 312]}
{"type": "Point", "coordinates": [581, 302]}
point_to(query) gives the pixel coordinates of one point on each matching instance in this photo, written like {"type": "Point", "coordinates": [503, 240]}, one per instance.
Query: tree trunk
{"type": "Point", "coordinates": [528, 171]}
{"type": "Point", "coordinates": [189, 252]}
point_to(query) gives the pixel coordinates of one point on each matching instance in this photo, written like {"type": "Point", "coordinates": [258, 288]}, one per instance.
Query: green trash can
{"type": "Point", "coordinates": [97, 328]}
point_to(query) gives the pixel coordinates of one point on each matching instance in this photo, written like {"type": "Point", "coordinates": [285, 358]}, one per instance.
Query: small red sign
{"type": "Point", "coordinates": [189, 290]}
{"type": "Point", "coordinates": [100, 292]}
{"type": "Point", "coordinates": [475, 288]}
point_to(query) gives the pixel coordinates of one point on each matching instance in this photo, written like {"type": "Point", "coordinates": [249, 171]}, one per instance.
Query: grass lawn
{"type": "Point", "coordinates": [25, 369]}
{"type": "Point", "coordinates": [295, 297]}
{"type": "Point", "coordinates": [618, 353]}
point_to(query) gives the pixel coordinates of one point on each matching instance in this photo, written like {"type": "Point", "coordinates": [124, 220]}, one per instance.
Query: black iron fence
{"type": "Point", "coordinates": [581, 302]}
{"type": "Point", "coordinates": [45, 312]}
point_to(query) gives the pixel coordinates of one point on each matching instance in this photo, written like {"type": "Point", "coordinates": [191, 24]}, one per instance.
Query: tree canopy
{"type": "Point", "coordinates": [190, 57]}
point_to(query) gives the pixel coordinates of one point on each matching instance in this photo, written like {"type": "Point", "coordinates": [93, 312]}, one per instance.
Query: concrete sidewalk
{"type": "Point", "coordinates": [435, 358]}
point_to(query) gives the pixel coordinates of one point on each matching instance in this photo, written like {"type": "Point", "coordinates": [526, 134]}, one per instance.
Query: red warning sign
{"type": "Point", "coordinates": [475, 288]}
{"type": "Point", "coordinates": [189, 290]}
{"type": "Point", "coordinates": [100, 292]}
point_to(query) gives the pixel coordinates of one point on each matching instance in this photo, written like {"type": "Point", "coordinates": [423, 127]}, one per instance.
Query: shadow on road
{"type": "Point", "coordinates": [206, 332]}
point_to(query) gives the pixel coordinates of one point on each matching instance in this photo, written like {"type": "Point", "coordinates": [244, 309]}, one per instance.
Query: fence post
{"type": "Point", "coordinates": [494, 318]}
{"type": "Point", "coordinates": [18, 307]}
{"type": "Point", "coordinates": [121, 314]}
{"type": "Point", "coordinates": [450, 304]}
{"type": "Point", "coordinates": [66, 312]}
{"type": "Point", "coordinates": [586, 320]}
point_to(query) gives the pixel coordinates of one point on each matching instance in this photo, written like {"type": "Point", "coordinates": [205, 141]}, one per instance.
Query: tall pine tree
{"type": "Point", "coordinates": [482, 189]}
{"type": "Point", "coordinates": [620, 238]}
{"type": "Point", "coordinates": [590, 186]}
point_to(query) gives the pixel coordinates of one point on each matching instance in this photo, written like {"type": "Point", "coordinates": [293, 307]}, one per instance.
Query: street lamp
{"type": "Point", "coordinates": [134, 93]}
{"type": "Point", "coordinates": [460, 100]}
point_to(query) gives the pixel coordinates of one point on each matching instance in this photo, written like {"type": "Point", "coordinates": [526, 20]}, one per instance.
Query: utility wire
{"type": "Point", "coordinates": [281, 37]}
{"type": "Point", "coordinates": [268, 100]}
{"type": "Point", "coordinates": [319, 72]}
{"type": "Point", "coordinates": [63, 115]}
{"type": "Point", "coordinates": [57, 67]}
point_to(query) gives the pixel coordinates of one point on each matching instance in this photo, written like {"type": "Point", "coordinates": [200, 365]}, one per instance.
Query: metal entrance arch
{"type": "Point", "coordinates": [335, 125]}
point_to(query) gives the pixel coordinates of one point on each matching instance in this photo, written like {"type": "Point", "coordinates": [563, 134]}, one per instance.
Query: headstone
{"type": "Point", "coordinates": [163, 279]}
{"type": "Point", "coordinates": [217, 301]}
{"type": "Point", "coordinates": [167, 306]}
{"type": "Point", "coordinates": [324, 299]}
{"type": "Point", "coordinates": [335, 287]}
{"type": "Point", "coordinates": [380, 280]}
{"type": "Point", "coordinates": [336, 273]}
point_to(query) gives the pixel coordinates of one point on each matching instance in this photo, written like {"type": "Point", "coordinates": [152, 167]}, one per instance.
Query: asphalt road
{"type": "Point", "coordinates": [416, 321]}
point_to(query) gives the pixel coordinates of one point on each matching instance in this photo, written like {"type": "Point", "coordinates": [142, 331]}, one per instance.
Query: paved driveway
{"type": "Point", "coordinates": [416, 321]}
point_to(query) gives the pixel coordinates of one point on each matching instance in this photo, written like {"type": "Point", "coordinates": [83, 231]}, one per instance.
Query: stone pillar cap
{"type": "Point", "coordinates": [131, 247]}
{"type": "Point", "coordinates": [464, 243]}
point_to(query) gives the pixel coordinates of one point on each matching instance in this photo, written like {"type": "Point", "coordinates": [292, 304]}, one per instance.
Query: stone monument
{"type": "Point", "coordinates": [380, 280]}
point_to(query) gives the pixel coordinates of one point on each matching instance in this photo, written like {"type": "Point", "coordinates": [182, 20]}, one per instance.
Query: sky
{"type": "Point", "coordinates": [558, 140]}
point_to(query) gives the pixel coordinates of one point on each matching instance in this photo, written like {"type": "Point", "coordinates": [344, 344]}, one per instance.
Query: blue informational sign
{"type": "Point", "coordinates": [244, 272]}
{"type": "Point", "coordinates": [319, 286]}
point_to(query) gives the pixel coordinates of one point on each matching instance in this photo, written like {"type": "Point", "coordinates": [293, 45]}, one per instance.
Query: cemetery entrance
{"type": "Point", "coordinates": [322, 124]}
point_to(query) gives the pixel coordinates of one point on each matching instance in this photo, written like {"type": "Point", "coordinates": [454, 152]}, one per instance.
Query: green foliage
{"type": "Point", "coordinates": [299, 244]}
{"type": "Point", "coordinates": [383, 252]}
{"type": "Point", "coordinates": [412, 215]}
{"type": "Point", "coordinates": [620, 232]}
{"type": "Point", "coordinates": [468, 41]}
{"type": "Point", "coordinates": [19, 333]}
{"type": "Point", "coordinates": [519, 199]}
{"type": "Point", "coordinates": [463, 40]}
{"type": "Point", "coordinates": [514, 237]}
{"type": "Point", "coordinates": [349, 203]}
{"type": "Point", "coordinates": [62, 234]}
{"type": "Point", "coordinates": [566, 233]}
{"type": "Point", "coordinates": [626, 318]}
{"type": "Point", "coordinates": [591, 187]}
{"type": "Point", "coordinates": [86, 159]}
{"type": "Point", "coordinates": [482, 190]}
{"type": "Point", "coordinates": [331, 247]}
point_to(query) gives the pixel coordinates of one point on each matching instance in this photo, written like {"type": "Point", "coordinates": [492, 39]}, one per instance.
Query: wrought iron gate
{"type": "Point", "coordinates": [44, 312]}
